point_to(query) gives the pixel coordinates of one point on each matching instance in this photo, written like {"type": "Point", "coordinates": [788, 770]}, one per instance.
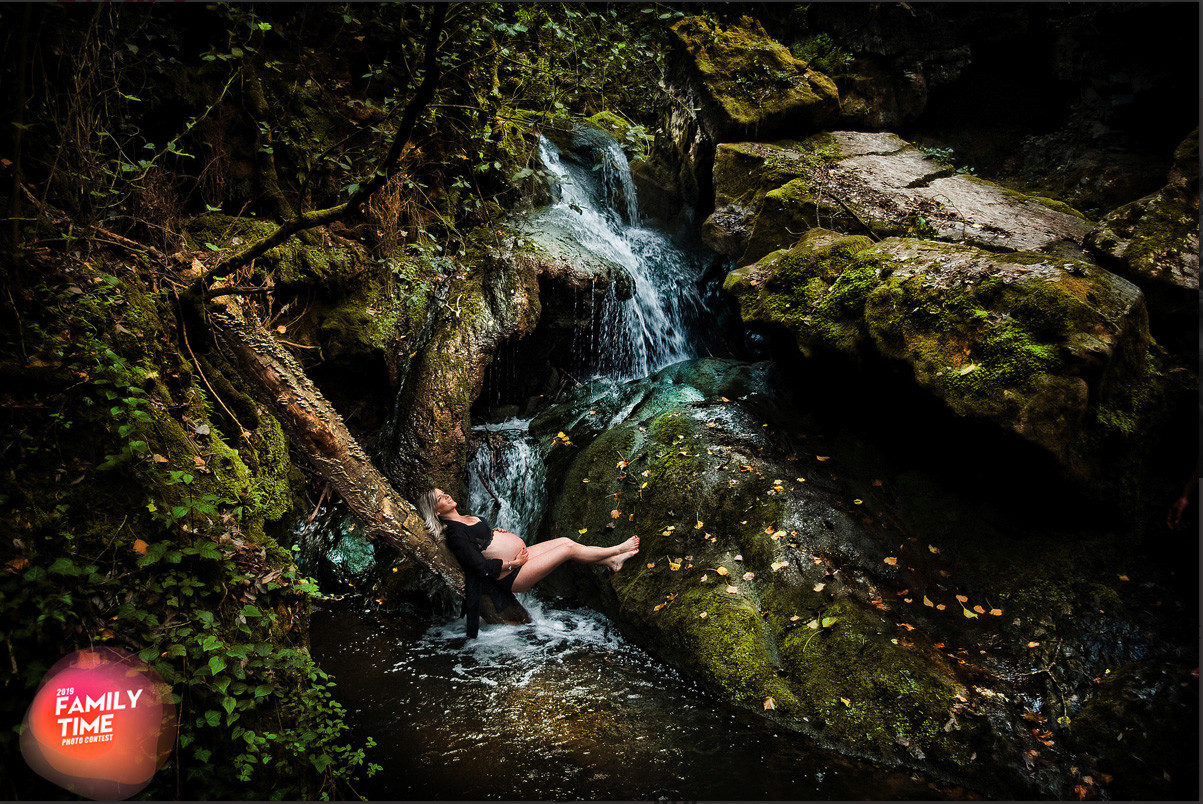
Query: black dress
{"type": "Point", "coordinates": [467, 543]}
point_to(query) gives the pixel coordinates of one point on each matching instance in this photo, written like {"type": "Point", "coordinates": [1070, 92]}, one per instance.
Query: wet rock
{"type": "Point", "coordinates": [1145, 748]}
{"type": "Point", "coordinates": [1036, 344]}
{"type": "Point", "coordinates": [1154, 242]}
{"type": "Point", "coordinates": [872, 183]}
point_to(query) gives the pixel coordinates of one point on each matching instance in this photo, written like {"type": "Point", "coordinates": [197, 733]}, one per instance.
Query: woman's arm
{"type": "Point", "coordinates": [471, 559]}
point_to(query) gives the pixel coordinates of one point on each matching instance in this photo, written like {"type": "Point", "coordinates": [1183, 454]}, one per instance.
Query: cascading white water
{"type": "Point", "coordinates": [654, 328]}
{"type": "Point", "coordinates": [506, 477]}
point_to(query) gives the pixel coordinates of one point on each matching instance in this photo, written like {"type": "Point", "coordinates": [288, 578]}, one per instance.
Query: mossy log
{"type": "Point", "coordinates": [277, 380]}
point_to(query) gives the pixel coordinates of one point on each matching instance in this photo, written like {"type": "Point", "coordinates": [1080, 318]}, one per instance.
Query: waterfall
{"type": "Point", "coordinates": [505, 462]}
{"type": "Point", "coordinates": [656, 327]}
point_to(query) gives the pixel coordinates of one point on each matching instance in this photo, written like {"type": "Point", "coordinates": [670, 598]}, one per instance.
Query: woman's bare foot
{"type": "Point", "coordinates": [615, 562]}
{"type": "Point", "coordinates": [630, 544]}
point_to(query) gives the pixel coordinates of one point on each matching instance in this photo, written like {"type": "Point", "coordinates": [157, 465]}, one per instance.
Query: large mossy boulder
{"type": "Point", "coordinates": [856, 598]}
{"type": "Point", "coordinates": [1155, 243]}
{"type": "Point", "coordinates": [749, 578]}
{"type": "Point", "coordinates": [750, 84]}
{"type": "Point", "coordinates": [1051, 348]}
{"type": "Point", "coordinates": [767, 195]}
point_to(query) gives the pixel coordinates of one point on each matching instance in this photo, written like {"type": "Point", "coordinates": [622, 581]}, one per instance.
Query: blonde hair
{"type": "Point", "coordinates": [426, 507]}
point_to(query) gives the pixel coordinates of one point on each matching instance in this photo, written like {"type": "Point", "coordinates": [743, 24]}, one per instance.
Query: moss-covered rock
{"type": "Point", "coordinates": [762, 576]}
{"type": "Point", "coordinates": [753, 85]}
{"type": "Point", "coordinates": [1052, 349]}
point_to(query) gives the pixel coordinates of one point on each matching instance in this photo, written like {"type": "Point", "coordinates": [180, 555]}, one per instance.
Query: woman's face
{"type": "Point", "coordinates": [443, 504]}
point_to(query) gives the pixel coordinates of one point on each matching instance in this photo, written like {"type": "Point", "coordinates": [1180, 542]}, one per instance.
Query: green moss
{"type": "Point", "coordinates": [862, 689]}
{"type": "Point", "coordinates": [751, 76]}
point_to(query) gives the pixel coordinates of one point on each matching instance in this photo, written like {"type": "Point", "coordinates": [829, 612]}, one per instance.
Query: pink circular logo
{"type": "Point", "coordinates": [102, 722]}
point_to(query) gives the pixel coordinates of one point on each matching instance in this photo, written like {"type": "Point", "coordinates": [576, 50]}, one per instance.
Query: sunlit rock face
{"type": "Point", "coordinates": [768, 194]}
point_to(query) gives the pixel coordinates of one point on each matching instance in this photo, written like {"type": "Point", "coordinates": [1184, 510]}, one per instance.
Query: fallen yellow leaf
{"type": "Point", "coordinates": [927, 602]}
{"type": "Point", "coordinates": [769, 703]}
{"type": "Point", "coordinates": [734, 590]}
{"type": "Point", "coordinates": [968, 613]}
{"type": "Point", "coordinates": [749, 576]}
{"type": "Point", "coordinates": [674, 565]}
{"type": "Point", "coordinates": [703, 615]}
{"type": "Point", "coordinates": [857, 501]}
{"type": "Point", "coordinates": [140, 547]}
{"type": "Point", "coordinates": [819, 587]}
{"type": "Point", "coordinates": [583, 530]}
{"type": "Point", "coordinates": [778, 565]}
{"type": "Point", "coordinates": [822, 457]}
{"type": "Point", "coordinates": [698, 525]}
{"type": "Point", "coordinates": [891, 560]}
{"type": "Point", "coordinates": [739, 558]}
{"type": "Point", "coordinates": [933, 548]}
{"type": "Point", "coordinates": [845, 701]}
{"type": "Point", "coordinates": [721, 570]}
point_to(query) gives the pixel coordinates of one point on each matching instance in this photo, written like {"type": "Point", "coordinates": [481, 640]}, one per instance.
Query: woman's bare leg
{"type": "Point", "coordinates": [546, 556]}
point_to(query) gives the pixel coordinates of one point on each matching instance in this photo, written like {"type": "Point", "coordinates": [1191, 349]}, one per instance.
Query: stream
{"type": "Point", "coordinates": [565, 707]}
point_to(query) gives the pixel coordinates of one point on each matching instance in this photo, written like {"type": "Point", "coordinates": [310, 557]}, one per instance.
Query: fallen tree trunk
{"type": "Point", "coordinates": [277, 380]}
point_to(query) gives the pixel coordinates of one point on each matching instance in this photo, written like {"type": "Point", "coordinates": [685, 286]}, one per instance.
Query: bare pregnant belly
{"type": "Point", "coordinates": [504, 546]}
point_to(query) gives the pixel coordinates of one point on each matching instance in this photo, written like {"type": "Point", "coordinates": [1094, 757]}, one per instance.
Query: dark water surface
{"type": "Point", "coordinates": [563, 708]}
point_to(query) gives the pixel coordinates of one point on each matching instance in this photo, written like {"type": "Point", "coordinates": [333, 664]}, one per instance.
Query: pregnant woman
{"type": "Point", "coordinates": [497, 562]}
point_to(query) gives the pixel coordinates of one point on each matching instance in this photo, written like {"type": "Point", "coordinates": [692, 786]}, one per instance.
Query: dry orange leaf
{"type": "Point", "coordinates": [876, 482]}
{"type": "Point", "coordinates": [927, 602]}
{"type": "Point", "coordinates": [140, 547]}
{"type": "Point", "coordinates": [822, 457]}
{"type": "Point", "coordinates": [1123, 577]}
{"type": "Point", "coordinates": [962, 598]}
{"type": "Point", "coordinates": [907, 626]}
{"type": "Point", "coordinates": [940, 607]}
{"type": "Point", "coordinates": [996, 612]}
{"type": "Point", "coordinates": [769, 703]}
{"type": "Point", "coordinates": [979, 609]}
{"type": "Point", "coordinates": [891, 560]}
{"type": "Point", "coordinates": [908, 600]}
{"type": "Point", "coordinates": [651, 566]}
{"type": "Point", "coordinates": [733, 590]}
{"type": "Point", "coordinates": [615, 514]}
{"type": "Point", "coordinates": [698, 526]}
{"type": "Point", "coordinates": [721, 570]}
{"type": "Point", "coordinates": [1033, 644]}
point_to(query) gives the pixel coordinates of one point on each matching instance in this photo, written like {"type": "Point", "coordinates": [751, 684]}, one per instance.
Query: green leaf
{"type": "Point", "coordinates": [228, 704]}
{"type": "Point", "coordinates": [64, 566]}
{"type": "Point", "coordinates": [213, 718]}
{"type": "Point", "coordinates": [217, 664]}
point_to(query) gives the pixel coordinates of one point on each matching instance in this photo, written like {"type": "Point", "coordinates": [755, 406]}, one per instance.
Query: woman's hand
{"type": "Point", "coordinates": [521, 558]}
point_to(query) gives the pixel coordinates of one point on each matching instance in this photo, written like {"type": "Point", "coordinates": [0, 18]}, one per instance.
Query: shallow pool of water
{"type": "Point", "coordinates": [563, 708]}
